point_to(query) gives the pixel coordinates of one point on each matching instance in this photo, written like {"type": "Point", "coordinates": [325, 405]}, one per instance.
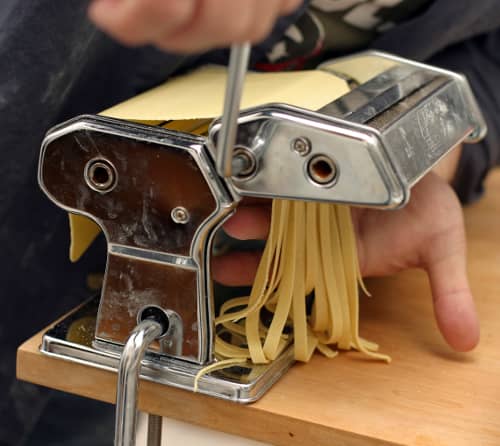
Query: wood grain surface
{"type": "Point", "coordinates": [429, 395]}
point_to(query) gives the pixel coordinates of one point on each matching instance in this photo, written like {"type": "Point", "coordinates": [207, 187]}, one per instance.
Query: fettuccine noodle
{"type": "Point", "coordinates": [310, 260]}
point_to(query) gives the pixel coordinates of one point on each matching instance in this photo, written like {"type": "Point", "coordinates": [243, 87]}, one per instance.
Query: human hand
{"type": "Point", "coordinates": [427, 233]}
{"type": "Point", "coordinates": [188, 25]}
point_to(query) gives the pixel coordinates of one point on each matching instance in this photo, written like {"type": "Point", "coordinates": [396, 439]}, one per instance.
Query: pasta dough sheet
{"type": "Point", "coordinates": [83, 232]}
{"type": "Point", "coordinates": [362, 68]}
{"type": "Point", "coordinates": [200, 94]}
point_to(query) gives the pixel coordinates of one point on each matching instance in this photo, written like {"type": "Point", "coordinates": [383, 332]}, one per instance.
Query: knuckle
{"type": "Point", "coordinates": [250, 24]}
{"type": "Point", "coordinates": [139, 22]}
{"type": "Point", "coordinates": [260, 30]}
{"type": "Point", "coordinates": [288, 6]}
{"type": "Point", "coordinates": [237, 29]}
{"type": "Point", "coordinates": [147, 5]}
{"type": "Point", "coordinates": [127, 35]}
{"type": "Point", "coordinates": [259, 33]}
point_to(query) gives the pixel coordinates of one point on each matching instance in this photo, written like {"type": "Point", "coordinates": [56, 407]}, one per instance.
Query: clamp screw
{"type": "Point", "coordinates": [180, 215]}
{"type": "Point", "coordinates": [301, 146]}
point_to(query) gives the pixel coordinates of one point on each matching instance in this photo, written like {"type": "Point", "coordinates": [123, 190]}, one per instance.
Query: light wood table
{"type": "Point", "coordinates": [427, 396]}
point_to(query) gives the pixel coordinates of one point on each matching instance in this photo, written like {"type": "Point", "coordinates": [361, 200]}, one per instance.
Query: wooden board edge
{"type": "Point", "coordinates": [248, 421]}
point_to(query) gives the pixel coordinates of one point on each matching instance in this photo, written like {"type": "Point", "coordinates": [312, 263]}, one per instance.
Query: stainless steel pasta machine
{"type": "Point", "coordinates": [159, 199]}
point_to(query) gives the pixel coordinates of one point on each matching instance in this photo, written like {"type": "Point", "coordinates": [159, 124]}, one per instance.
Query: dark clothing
{"type": "Point", "coordinates": [56, 65]}
{"type": "Point", "coordinates": [458, 35]}
{"type": "Point", "coordinates": [462, 36]}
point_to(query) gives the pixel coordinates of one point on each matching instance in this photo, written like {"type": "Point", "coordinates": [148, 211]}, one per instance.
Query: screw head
{"type": "Point", "coordinates": [301, 146]}
{"type": "Point", "coordinates": [180, 215]}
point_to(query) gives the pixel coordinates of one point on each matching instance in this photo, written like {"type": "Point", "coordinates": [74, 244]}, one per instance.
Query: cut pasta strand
{"type": "Point", "coordinates": [224, 364]}
{"type": "Point", "coordinates": [310, 261]}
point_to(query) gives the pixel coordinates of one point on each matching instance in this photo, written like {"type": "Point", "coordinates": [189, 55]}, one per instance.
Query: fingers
{"type": "Point", "coordinates": [188, 25]}
{"type": "Point", "coordinates": [289, 6]}
{"type": "Point", "coordinates": [453, 302]}
{"type": "Point", "coordinates": [249, 223]}
{"type": "Point", "coordinates": [236, 269]}
{"type": "Point", "coordinates": [138, 22]}
{"type": "Point", "coordinates": [443, 256]}
{"type": "Point", "coordinates": [220, 22]}
{"type": "Point", "coordinates": [428, 233]}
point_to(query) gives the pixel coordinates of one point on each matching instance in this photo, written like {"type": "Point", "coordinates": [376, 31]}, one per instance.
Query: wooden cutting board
{"type": "Point", "coordinates": [429, 395]}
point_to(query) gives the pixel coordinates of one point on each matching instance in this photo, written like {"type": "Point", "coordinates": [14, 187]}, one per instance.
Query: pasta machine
{"type": "Point", "coordinates": [159, 199]}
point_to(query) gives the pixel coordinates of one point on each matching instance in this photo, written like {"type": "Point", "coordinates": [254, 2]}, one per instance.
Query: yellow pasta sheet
{"type": "Point", "coordinates": [361, 68]}
{"type": "Point", "coordinates": [83, 232]}
{"type": "Point", "coordinates": [200, 94]}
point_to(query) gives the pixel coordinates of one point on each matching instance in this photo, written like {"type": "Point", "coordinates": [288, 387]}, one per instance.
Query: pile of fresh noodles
{"type": "Point", "coordinates": [308, 281]}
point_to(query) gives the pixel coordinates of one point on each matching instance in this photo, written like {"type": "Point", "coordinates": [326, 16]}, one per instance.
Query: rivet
{"type": "Point", "coordinates": [180, 215]}
{"type": "Point", "coordinates": [301, 146]}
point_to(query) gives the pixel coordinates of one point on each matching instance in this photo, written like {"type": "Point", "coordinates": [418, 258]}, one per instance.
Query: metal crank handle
{"type": "Point", "coordinates": [238, 63]}
{"type": "Point", "coordinates": [128, 380]}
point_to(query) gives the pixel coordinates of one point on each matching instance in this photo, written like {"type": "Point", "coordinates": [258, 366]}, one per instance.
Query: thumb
{"type": "Point", "coordinates": [453, 302]}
